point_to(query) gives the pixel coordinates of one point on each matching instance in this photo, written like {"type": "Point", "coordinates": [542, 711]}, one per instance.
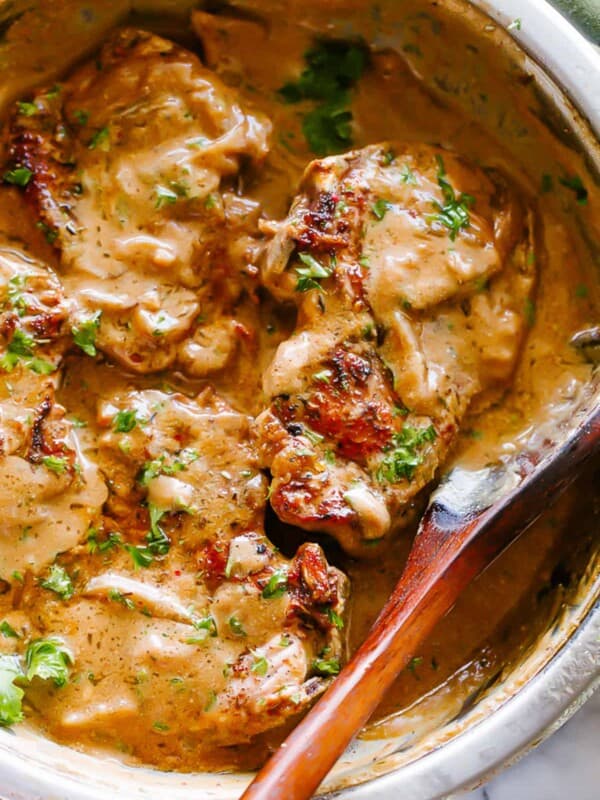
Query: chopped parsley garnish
{"type": "Point", "coordinates": [160, 726]}
{"type": "Point", "coordinates": [335, 619]}
{"type": "Point", "coordinates": [413, 664]}
{"type": "Point", "coordinates": [119, 597]}
{"type": "Point", "coordinates": [100, 140]}
{"type": "Point", "coordinates": [311, 273]}
{"type": "Point", "coordinates": [515, 25]}
{"type": "Point", "coordinates": [164, 196]}
{"type": "Point", "coordinates": [20, 348]}
{"type": "Point", "coordinates": [27, 109]}
{"type": "Point", "coordinates": [326, 666]}
{"type": "Point", "coordinates": [380, 208]}
{"type": "Point", "coordinates": [125, 421]}
{"type": "Point", "coordinates": [82, 117]}
{"type": "Point", "coordinates": [48, 659]}
{"type": "Point", "coordinates": [206, 625]}
{"type": "Point", "coordinates": [276, 586]}
{"type": "Point", "coordinates": [59, 582]}
{"type": "Point", "coordinates": [102, 545]}
{"type": "Point", "coordinates": [332, 70]}
{"type": "Point", "coordinates": [56, 464]}
{"type": "Point", "coordinates": [140, 555]}
{"type": "Point", "coordinates": [50, 235]}
{"type": "Point", "coordinates": [160, 466]}
{"type": "Point", "coordinates": [19, 176]}
{"type": "Point", "coordinates": [407, 175]}
{"type": "Point", "coordinates": [10, 695]}
{"type": "Point", "coordinates": [7, 630]}
{"type": "Point", "coordinates": [404, 455]}
{"type": "Point", "coordinates": [236, 626]}
{"type": "Point", "coordinates": [158, 541]}
{"type": "Point", "coordinates": [84, 334]}
{"type": "Point", "coordinates": [454, 214]}
{"type": "Point", "coordinates": [260, 666]}
{"type": "Point", "coordinates": [575, 184]}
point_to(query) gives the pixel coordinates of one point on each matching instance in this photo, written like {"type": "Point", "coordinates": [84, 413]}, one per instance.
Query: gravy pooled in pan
{"type": "Point", "coordinates": [246, 319]}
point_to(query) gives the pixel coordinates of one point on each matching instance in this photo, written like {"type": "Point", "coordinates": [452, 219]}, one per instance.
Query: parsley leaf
{"type": "Point", "coordinates": [59, 582]}
{"type": "Point", "coordinates": [10, 695]}
{"type": "Point", "coordinates": [84, 334]}
{"type": "Point", "coordinates": [454, 214]}
{"type": "Point", "coordinates": [48, 659]}
{"type": "Point", "coordinates": [27, 109]}
{"type": "Point", "coordinates": [380, 208]}
{"type": "Point", "coordinates": [7, 630]}
{"type": "Point", "coordinates": [260, 666]}
{"type": "Point", "coordinates": [19, 176]}
{"type": "Point", "coordinates": [332, 70]}
{"type": "Point", "coordinates": [236, 626]}
{"type": "Point", "coordinates": [311, 273]}
{"type": "Point", "coordinates": [56, 464]}
{"type": "Point", "coordinates": [575, 184]}
{"type": "Point", "coordinates": [141, 556]}
{"type": "Point", "coordinates": [100, 140]}
{"type": "Point", "coordinates": [326, 666]}
{"type": "Point", "coordinates": [404, 454]}
{"type": "Point", "coordinates": [125, 421]}
{"type": "Point", "coordinates": [277, 585]}
{"type": "Point", "coordinates": [158, 541]}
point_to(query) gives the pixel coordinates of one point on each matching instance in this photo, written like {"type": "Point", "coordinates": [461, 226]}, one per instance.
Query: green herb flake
{"type": "Point", "coordinates": [260, 666]}
{"type": "Point", "coordinates": [50, 235]}
{"type": "Point", "coordinates": [454, 213]}
{"type": "Point", "coordinates": [332, 70]}
{"type": "Point", "coordinates": [48, 659]}
{"type": "Point", "coordinates": [413, 664]}
{"type": "Point", "coordinates": [582, 291]}
{"type": "Point", "coordinates": [276, 586]}
{"type": "Point", "coordinates": [100, 140]}
{"type": "Point", "coordinates": [311, 273]}
{"type": "Point", "coordinates": [165, 196]}
{"type": "Point", "coordinates": [124, 421]}
{"type": "Point", "coordinates": [56, 464]}
{"type": "Point", "coordinates": [7, 630]}
{"type": "Point", "coordinates": [158, 541]}
{"type": "Point", "coordinates": [326, 666]}
{"type": "Point", "coordinates": [161, 727]}
{"type": "Point", "coordinates": [515, 25]}
{"type": "Point", "coordinates": [380, 208]}
{"type": "Point", "coordinates": [407, 175]}
{"type": "Point", "coordinates": [405, 453]}
{"type": "Point", "coordinates": [84, 334]}
{"type": "Point", "coordinates": [59, 582]}
{"type": "Point", "coordinates": [575, 184]}
{"type": "Point", "coordinates": [11, 696]}
{"type": "Point", "coordinates": [82, 117]}
{"type": "Point", "coordinates": [236, 626]}
{"type": "Point", "coordinates": [19, 176]}
{"type": "Point", "coordinates": [141, 556]}
{"type": "Point", "coordinates": [335, 619]}
{"type": "Point", "coordinates": [27, 109]}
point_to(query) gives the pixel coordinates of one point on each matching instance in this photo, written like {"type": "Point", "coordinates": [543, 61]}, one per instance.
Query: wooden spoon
{"type": "Point", "coordinates": [471, 519]}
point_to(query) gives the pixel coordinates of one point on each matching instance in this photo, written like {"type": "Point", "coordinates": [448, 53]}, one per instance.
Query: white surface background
{"type": "Point", "coordinates": [566, 767]}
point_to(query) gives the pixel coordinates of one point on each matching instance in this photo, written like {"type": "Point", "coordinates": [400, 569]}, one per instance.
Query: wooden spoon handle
{"type": "Point", "coordinates": [442, 563]}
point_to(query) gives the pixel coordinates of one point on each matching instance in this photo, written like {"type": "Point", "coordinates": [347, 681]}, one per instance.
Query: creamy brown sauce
{"type": "Point", "coordinates": [420, 94]}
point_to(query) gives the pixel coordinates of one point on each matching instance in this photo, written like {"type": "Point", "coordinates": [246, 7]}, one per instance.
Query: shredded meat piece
{"type": "Point", "coordinates": [411, 270]}
{"type": "Point", "coordinates": [217, 627]}
{"type": "Point", "coordinates": [135, 165]}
